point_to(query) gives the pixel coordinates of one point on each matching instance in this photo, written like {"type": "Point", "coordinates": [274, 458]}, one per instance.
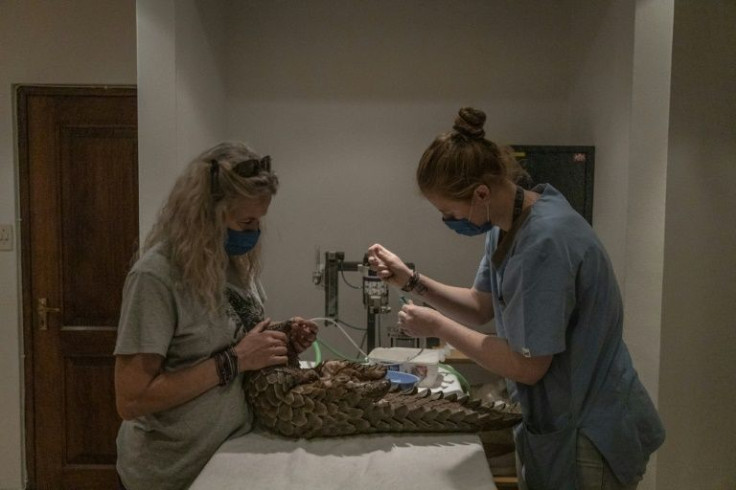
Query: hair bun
{"type": "Point", "coordinates": [469, 122]}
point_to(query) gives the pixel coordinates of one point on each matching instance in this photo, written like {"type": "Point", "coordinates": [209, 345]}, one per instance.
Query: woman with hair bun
{"type": "Point", "coordinates": [191, 322]}
{"type": "Point", "coordinates": [548, 282]}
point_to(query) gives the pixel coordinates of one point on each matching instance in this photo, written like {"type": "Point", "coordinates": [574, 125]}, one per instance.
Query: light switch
{"type": "Point", "coordinates": [6, 237]}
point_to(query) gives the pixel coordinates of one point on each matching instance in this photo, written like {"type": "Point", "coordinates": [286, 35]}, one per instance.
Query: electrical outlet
{"type": "Point", "coordinates": [6, 237]}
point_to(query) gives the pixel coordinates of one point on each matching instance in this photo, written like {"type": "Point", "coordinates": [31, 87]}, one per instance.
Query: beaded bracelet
{"type": "Point", "coordinates": [222, 370]}
{"type": "Point", "coordinates": [412, 282]}
{"type": "Point", "coordinates": [226, 363]}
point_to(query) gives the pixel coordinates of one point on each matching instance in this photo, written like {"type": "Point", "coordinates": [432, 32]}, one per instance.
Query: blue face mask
{"type": "Point", "coordinates": [466, 227]}
{"type": "Point", "coordinates": [241, 242]}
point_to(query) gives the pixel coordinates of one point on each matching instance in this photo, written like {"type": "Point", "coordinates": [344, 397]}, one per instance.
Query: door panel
{"type": "Point", "coordinates": [95, 220]}
{"type": "Point", "coordinates": [79, 209]}
{"type": "Point", "coordinates": [87, 378]}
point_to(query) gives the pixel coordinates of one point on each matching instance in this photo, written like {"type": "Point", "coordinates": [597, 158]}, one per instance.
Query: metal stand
{"type": "Point", "coordinates": [375, 296]}
{"type": "Point", "coordinates": [375, 291]}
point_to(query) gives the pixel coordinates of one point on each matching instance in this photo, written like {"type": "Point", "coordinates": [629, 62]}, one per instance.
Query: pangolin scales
{"type": "Point", "coordinates": [338, 398]}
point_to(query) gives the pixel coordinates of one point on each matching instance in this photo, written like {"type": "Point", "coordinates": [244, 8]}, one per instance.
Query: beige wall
{"type": "Point", "coordinates": [45, 42]}
{"type": "Point", "coordinates": [347, 95]}
{"type": "Point", "coordinates": [698, 377]}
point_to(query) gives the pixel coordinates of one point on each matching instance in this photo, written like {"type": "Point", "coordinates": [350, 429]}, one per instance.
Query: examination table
{"type": "Point", "coordinates": [262, 460]}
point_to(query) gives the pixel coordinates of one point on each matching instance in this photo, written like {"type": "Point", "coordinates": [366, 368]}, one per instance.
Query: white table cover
{"type": "Point", "coordinates": [386, 461]}
{"type": "Point", "coordinates": [261, 460]}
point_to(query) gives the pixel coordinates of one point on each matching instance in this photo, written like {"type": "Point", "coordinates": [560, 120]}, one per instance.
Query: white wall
{"type": "Point", "coordinates": [601, 112]}
{"type": "Point", "coordinates": [89, 42]}
{"type": "Point", "coordinates": [696, 395]}
{"type": "Point", "coordinates": [347, 95]}
{"type": "Point", "coordinates": [647, 184]}
{"type": "Point", "coordinates": [181, 95]}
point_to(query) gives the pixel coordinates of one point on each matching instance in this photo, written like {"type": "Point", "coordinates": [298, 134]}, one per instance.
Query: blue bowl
{"type": "Point", "coordinates": [404, 381]}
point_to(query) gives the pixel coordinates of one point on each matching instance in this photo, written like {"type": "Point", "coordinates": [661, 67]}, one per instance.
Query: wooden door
{"type": "Point", "coordinates": [79, 210]}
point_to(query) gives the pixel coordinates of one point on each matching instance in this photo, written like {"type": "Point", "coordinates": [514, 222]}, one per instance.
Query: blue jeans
{"type": "Point", "coordinates": [593, 472]}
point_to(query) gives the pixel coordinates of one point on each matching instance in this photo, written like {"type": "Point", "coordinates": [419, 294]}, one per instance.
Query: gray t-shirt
{"type": "Point", "coordinates": [168, 449]}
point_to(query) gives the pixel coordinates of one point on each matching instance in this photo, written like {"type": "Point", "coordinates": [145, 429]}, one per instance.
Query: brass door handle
{"type": "Point", "coordinates": [43, 311]}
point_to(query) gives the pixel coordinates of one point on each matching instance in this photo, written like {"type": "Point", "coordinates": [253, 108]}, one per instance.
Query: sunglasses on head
{"type": "Point", "coordinates": [245, 169]}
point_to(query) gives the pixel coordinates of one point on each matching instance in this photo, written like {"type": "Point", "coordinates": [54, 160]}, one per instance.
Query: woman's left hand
{"type": "Point", "coordinates": [303, 333]}
{"type": "Point", "coordinates": [419, 321]}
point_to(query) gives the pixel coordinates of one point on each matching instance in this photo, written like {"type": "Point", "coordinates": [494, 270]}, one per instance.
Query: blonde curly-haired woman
{"type": "Point", "coordinates": [192, 321]}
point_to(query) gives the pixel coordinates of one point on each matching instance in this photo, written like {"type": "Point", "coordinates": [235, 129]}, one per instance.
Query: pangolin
{"type": "Point", "coordinates": [338, 398]}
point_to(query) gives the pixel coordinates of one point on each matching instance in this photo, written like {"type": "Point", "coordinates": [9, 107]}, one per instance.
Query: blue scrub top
{"type": "Point", "coordinates": [555, 293]}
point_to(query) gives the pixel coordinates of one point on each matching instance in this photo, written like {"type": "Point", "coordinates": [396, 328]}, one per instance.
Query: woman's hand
{"type": "Point", "coordinates": [388, 266]}
{"type": "Point", "coordinates": [303, 333]}
{"type": "Point", "coordinates": [259, 349]}
{"type": "Point", "coordinates": [420, 321]}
